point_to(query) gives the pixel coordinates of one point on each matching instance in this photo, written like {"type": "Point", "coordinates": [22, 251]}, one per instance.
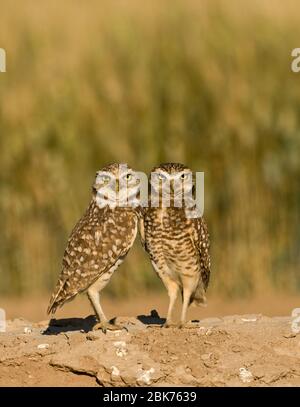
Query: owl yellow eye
{"type": "Point", "coordinates": [183, 176]}
{"type": "Point", "coordinates": [128, 177]}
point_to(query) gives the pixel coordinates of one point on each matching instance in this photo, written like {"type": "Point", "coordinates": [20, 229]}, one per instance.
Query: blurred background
{"type": "Point", "coordinates": [206, 83]}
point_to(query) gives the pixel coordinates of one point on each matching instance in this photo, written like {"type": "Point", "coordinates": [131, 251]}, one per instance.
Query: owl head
{"type": "Point", "coordinates": [116, 185]}
{"type": "Point", "coordinates": [172, 180]}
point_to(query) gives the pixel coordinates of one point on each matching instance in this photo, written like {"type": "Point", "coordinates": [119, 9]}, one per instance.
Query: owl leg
{"type": "Point", "coordinates": [172, 288]}
{"type": "Point", "coordinates": [188, 289]}
{"type": "Point", "coordinates": [94, 297]}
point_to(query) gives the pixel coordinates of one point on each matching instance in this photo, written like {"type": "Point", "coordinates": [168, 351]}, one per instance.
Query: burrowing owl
{"type": "Point", "coordinates": [178, 245]}
{"type": "Point", "coordinates": [100, 240]}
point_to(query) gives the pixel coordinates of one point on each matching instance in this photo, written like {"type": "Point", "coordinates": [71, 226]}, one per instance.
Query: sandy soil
{"type": "Point", "coordinates": [238, 350]}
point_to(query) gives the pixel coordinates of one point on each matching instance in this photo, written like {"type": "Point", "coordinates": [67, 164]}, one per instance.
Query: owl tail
{"type": "Point", "coordinates": [52, 306]}
{"type": "Point", "coordinates": [198, 298]}
{"type": "Point", "coordinates": [55, 300]}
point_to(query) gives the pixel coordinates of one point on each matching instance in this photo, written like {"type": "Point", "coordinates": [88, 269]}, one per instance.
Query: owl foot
{"type": "Point", "coordinates": [178, 325]}
{"type": "Point", "coordinates": [170, 324]}
{"type": "Point", "coordinates": [105, 325]}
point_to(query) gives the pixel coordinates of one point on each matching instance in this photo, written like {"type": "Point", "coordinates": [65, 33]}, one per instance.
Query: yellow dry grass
{"type": "Point", "coordinates": [206, 83]}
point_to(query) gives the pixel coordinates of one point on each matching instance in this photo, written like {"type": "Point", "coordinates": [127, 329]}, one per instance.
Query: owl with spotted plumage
{"type": "Point", "coordinates": [176, 239]}
{"type": "Point", "coordinates": [100, 240]}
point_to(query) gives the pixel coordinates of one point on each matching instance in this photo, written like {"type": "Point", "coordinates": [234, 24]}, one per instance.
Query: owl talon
{"type": "Point", "coordinates": [169, 325]}
{"type": "Point", "coordinates": [178, 325]}
{"type": "Point", "coordinates": [104, 326]}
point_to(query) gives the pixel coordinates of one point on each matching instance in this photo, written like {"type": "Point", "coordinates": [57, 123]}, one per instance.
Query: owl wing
{"type": "Point", "coordinates": [91, 251]}
{"type": "Point", "coordinates": [200, 237]}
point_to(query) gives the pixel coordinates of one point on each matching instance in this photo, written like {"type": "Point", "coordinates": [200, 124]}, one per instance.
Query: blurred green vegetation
{"type": "Point", "coordinates": [205, 83]}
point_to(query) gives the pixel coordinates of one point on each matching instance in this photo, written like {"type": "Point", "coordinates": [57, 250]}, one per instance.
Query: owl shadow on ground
{"type": "Point", "coordinates": [152, 319]}
{"type": "Point", "coordinates": [57, 326]}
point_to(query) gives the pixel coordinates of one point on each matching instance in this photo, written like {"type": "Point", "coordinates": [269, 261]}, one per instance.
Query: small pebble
{"type": "Point", "coordinates": [245, 375]}
{"type": "Point", "coordinates": [121, 348]}
{"type": "Point", "coordinates": [43, 346]}
{"type": "Point", "coordinates": [144, 376]}
{"type": "Point", "coordinates": [249, 319]}
{"type": "Point", "coordinates": [115, 371]}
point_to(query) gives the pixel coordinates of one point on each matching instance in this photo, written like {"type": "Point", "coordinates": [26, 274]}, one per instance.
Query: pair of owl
{"type": "Point", "coordinates": [177, 244]}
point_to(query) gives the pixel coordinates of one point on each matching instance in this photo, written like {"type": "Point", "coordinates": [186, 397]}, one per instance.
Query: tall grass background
{"type": "Point", "coordinates": [207, 83]}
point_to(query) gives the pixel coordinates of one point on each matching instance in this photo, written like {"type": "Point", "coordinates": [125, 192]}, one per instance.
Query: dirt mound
{"type": "Point", "coordinates": [248, 350]}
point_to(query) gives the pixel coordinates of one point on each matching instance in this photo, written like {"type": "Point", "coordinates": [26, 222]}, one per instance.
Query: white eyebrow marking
{"type": "Point", "coordinates": [161, 172]}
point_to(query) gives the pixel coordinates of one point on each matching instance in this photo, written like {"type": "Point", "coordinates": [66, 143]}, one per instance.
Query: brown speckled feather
{"type": "Point", "coordinates": [201, 241]}
{"type": "Point", "coordinates": [100, 239]}
{"type": "Point", "coordinates": [178, 245]}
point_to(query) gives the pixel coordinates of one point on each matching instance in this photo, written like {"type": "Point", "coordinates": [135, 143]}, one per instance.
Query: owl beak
{"type": "Point", "coordinates": [117, 186]}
